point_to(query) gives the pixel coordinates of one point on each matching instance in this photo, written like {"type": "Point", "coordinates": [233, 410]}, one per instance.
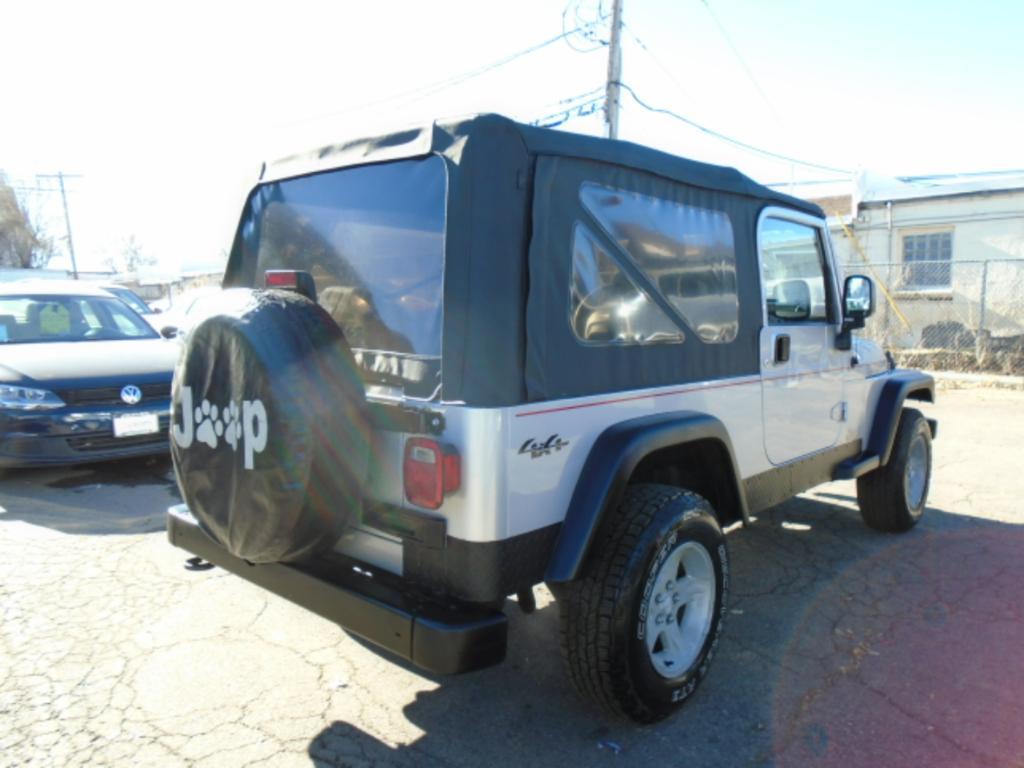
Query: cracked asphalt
{"type": "Point", "coordinates": [843, 647]}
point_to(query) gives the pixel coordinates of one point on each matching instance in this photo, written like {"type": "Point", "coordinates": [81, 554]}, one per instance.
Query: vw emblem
{"type": "Point", "coordinates": [131, 394]}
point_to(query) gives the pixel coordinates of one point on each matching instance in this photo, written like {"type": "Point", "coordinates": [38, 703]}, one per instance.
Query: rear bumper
{"type": "Point", "coordinates": [435, 638]}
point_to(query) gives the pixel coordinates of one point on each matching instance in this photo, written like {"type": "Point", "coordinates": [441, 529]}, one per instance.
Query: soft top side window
{"type": "Point", "coordinates": [687, 252]}
{"type": "Point", "coordinates": [606, 306]}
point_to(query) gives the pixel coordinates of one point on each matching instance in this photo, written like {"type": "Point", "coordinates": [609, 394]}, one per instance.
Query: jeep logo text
{"type": "Point", "coordinates": [207, 423]}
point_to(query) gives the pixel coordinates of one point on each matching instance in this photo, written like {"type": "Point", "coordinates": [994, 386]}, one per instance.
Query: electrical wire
{"type": "Point", "coordinates": [723, 137]}
{"type": "Point", "coordinates": [581, 25]}
{"type": "Point", "coordinates": [742, 62]}
{"type": "Point", "coordinates": [592, 92]}
{"type": "Point", "coordinates": [656, 60]}
{"type": "Point", "coordinates": [571, 113]}
{"type": "Point", "coordinates": [421, 92]}
{"type": "Point", "coordinates": [572, 107]}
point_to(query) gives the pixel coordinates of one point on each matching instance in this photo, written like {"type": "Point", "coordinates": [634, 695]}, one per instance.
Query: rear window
{"type": "Point", "coordinates": [372, 237]}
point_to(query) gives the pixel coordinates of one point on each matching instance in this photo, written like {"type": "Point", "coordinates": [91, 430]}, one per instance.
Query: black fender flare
{"type": "Point", "coordinates": [900, 386]}
{"type": "Point", "coordinates": [611, 462]}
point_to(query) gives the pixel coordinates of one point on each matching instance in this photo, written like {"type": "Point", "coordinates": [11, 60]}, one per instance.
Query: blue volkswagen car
{"type": "Point", "coordinates": [83, 378]}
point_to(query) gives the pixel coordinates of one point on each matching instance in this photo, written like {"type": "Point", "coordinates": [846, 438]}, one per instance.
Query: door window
{"type": "Point", "coordinates": [793, 271]}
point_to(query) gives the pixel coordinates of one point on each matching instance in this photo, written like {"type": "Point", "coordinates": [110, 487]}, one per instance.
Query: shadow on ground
{"type": "Point", "coordinates": [843, 647]}
{"type": "Point", "coordinates": [79, 500]}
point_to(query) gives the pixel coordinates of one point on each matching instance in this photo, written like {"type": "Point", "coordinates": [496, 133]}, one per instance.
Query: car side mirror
{"type": "Point", "coordinates": [169, 332]}
{"type": "Point", "coordinates": [858, 300]}
{"type": "Point", "coordinates": [791, 301]}
{"type": "Point", "coordinates": [858, 304]}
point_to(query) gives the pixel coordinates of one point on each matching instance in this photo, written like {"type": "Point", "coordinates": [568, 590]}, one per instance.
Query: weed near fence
{"type": "Point", "coordinates": [950, 315]}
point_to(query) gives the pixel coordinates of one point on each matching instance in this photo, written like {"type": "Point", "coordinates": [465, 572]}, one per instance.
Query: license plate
{"type": "Point", "coordinates": [134, 424]}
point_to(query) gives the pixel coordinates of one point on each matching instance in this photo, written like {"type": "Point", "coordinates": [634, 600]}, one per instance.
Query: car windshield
{"type": "Point", "coordinates": [32, 319]}
{"type": "Point", "coordinates": [372, 237]}
{"type": "Point", "coordinates": [130, 298]}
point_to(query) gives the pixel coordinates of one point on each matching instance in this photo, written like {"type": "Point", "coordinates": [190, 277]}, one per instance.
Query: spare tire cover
{"type": "Point", "coordinates": [270, 436]}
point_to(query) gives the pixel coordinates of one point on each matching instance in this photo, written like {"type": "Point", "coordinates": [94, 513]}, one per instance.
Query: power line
{"type": "Point", "coordinates": [601, 16]}
{"type": "Point", "coordinates": [570, 99]}
{"type": "Point", "coordinates": [656, 60]}
{"type": "Point", "coordinates": [740, 59]}
{"type": "Point", "coordinates": [729, 139]}
{"type": "Point", "coordinates": [421, 92]}
{"type": "Point", "coordinates": [581, 109]}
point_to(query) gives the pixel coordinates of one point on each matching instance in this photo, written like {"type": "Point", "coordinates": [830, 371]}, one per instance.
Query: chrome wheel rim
{"type": "Point", "coordinates": [915, 476]}
{"type": "Point", "coordinates": [680, 608]}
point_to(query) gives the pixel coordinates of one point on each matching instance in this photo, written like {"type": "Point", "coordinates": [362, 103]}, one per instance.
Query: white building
{"type": "Point", "coordinates": [947, 252]}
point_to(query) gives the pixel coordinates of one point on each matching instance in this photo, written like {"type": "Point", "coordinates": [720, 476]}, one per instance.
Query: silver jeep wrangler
{"type": "Point", "coordinates": [469, 358]}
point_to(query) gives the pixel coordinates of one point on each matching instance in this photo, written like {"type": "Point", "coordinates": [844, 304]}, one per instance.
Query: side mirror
{"type": "Point", "coordinates": [791, 300]}
{"type": "Point", "coordinates": [858, 304]}
{"type": "Point", "coordinates": [169, 332]}
{"type": "Point", "coordinates": [858, 299]}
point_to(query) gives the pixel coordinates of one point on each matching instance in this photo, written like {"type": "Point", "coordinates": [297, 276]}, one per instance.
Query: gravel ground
{"type": "Point", "coordinates": [843, 647]}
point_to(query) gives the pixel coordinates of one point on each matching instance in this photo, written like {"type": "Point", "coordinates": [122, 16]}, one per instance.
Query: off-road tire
{"type": "Point", "coordinates": [881, 493]}
{"type": "Point", "coordinates": [600, 613]}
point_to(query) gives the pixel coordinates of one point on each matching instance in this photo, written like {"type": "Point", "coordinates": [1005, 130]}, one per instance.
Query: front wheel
{"type": "Point", "coordinates": [641, 627]}
{"type": "Point", "coordinates": [892, 498]}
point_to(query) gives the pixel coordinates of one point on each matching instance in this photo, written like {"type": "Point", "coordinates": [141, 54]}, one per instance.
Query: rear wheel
{"type": "Point", "coordinates": [892, 498]}
{"type": "Point", "coordinates": [640, 628]}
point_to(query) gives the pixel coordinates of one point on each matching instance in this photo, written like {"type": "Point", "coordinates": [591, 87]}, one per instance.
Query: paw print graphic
{"type": "Point", "coordinates": [232, 425]}
{"type": "Point", "coordinates": [213, 423]}
{"type": "Point", "coordinates": [207, 424]}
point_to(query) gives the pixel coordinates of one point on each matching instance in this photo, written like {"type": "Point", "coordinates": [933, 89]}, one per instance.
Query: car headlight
{"type": "Point", "coordinates": [27, 399]}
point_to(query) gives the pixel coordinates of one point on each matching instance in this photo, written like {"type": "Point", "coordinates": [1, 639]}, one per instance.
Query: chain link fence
{"type": "Point", "coordinates": [965, 316]}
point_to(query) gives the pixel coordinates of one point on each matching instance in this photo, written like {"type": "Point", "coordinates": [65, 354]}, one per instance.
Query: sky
{"type": "Point", "coordinates": [165, 112]}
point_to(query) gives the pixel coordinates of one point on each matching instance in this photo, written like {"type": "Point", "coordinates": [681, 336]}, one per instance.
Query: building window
{"type": "Point", "coordinates": [926, 261]}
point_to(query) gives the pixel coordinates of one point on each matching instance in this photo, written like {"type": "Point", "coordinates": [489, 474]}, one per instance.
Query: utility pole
{"type": "Point", "coordinates": [67, 218]}
{"type": "Point", "coordinates": [611, 98]}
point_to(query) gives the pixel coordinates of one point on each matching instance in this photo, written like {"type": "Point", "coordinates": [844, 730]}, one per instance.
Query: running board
{"type": "Point", "coordinates": [855, 467]}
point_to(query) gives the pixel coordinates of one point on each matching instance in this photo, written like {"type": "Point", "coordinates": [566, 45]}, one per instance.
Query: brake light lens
{"type": "Point", "coordinates": [430, 472]}
{"type": "Point", "coordinates": [281, 278]}
{"type": "Point", "coordinates": [291, 280]}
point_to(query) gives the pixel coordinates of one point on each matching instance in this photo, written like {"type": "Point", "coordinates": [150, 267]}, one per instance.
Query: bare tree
{"type": "Point", "coordinates": [23, 244]}
{"type": "Point", "coordinates": [131, 257]}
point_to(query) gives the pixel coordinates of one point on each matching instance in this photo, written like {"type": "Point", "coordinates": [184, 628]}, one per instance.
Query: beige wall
{"type": "Point", "coordinates": [986, 227]}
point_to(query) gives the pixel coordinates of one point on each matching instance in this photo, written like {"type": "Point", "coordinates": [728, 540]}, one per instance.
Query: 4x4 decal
{"type": "Point", "coordinates": [537, 449]}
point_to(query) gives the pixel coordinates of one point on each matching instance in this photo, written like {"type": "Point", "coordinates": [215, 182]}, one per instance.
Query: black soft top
{"type": "Point", "coordinates": [452, 138]}
{"type": "Point", "coordinates": [513, 195]}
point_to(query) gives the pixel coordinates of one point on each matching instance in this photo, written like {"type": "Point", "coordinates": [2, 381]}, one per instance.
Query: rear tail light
{"type": "Point", "coordinates": [430, 472]}
{"type": "Point", "coordinates": [291, 280]}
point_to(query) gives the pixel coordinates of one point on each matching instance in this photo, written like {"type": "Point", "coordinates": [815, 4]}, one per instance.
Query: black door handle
{"type": "Point", "coordinates": [782, 348]}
